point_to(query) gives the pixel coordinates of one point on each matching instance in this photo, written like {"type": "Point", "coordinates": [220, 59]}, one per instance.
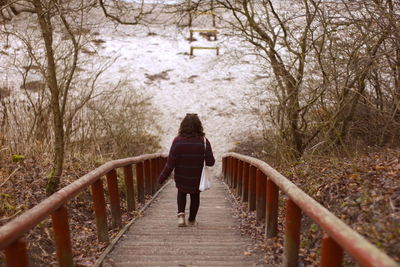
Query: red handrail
{"type": "Point", "coordinates": [11, 234]}
{"type": "Point", "coordinates": [243, 172]}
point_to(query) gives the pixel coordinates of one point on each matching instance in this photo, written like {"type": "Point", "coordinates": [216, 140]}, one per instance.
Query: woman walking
{"type": "Point", "coordinates": [187, 154]}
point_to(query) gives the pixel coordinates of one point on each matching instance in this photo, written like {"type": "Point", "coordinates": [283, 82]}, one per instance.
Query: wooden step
{"type": "Point", "coordinates": [155, 239]}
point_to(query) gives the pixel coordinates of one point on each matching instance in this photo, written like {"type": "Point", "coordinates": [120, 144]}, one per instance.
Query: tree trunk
{"type": "Point", "coordinates": [347, 109]}
{"type": "Point", "coordinates": [293, 106]}
{"type": "Point", "coordinates": [51, 77]}
{"type": "Point", "coordinates": [397, 86]}
{"type": "Point", "coordinates": [396, 68]}
{"type": "Point", "coordinates": [293, 115]}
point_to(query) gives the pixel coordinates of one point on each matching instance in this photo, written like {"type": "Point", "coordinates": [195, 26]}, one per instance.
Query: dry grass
{"type": "Point", "coordinates": [4, 92]}
{"type": "Point", "coordinates": [362, 190]}
{"type": "Point", "coordinates": [34, 86]}
{"type": "Point", "coordinates": [26, 188]}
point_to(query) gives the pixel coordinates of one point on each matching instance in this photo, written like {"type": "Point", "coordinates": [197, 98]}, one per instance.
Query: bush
{"type": "Point", "coordinates": [120, 124]}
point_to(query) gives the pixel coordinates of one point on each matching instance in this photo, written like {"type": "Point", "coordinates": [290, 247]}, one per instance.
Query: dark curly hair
{"type": "Point", "coordinates": [191, 126]}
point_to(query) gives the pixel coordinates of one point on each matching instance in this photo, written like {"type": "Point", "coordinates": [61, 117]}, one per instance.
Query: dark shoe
{"type": "Point", "coordinates": [192, 223]}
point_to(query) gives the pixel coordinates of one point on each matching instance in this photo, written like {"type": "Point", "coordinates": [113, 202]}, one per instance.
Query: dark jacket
{"type": "Point", "coordinates": [186, 157]}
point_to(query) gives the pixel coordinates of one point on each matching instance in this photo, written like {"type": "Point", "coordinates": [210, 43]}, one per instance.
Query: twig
{"type": "Point", "coordinates": [6, 219]}
{"type": "Point", "coordinates": [392, 205]}
{"type": "Point", "coordinates": [9, 177]}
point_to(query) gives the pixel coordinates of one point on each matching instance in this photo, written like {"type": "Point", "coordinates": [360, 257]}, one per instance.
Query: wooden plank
{"type": "Point", "coordinates": [192, 48]}
{"type": "Point", "coordinates": [156, 240]}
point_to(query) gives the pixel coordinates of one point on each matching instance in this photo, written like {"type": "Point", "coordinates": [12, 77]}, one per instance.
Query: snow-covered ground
{"type": "Point", "coordinates": [212, 86]}
{"type": "Point", "coordinates": [156, 60]}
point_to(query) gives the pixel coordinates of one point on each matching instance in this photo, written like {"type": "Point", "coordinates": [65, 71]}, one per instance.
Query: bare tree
{"type": "Point", "coordinates": [284, 45]}
{"type": "Point", "coordinates": [62, 58]}
{"type": "Point", "coordinates": [328, 60]}
{"type": "Point", "coordinates": [351, 57]}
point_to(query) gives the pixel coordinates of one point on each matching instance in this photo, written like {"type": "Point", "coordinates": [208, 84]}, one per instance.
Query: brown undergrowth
{"type": "Point", "coordinates": [363, 191]}
{"type": "Point", "coordinates": [23, 186]}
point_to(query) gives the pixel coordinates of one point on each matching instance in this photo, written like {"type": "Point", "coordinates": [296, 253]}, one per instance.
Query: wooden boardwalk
{"type": "Point", "coordinates": [156, 240]}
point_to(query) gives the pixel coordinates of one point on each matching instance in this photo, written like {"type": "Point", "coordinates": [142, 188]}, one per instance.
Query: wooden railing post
{"type": "Point", "coordinates": [112, 183]}
{"type": "Point", "coordinates": [271, 212]}
{"type": "Point", "coordinates": [252, 188]}
{"type": "Point", "coordinates": [157, 162]}
{"type": "Point", "coordinates": [99, 207]}
{"type": "Point", "coordinates": [158, 171]}
{"type": "Point", "coordinates": [16, 254]}
{"type": "Point", "coordinates": [292, 234]}
{"type": "Point", "coordinates": [239, 174]}
{"type": "Point", "coordinates": [332, 253]}
{"type": "Point", "coordinates": [140, 182]}
{"type": "Point", "coordinates": [234, 172]}
{"type": "Point", "coordinates": [152, 175]}
{"type": "Point", "coordinates": [229, 172]}
{"type": "Point", "coordinates": [62, 237]}
{"type": "Point", "coordinates": [164, 162]}
{"type": "Point", "coordinates": [155, 175]}
{"type": "Point", "coordinates": [245, 182]}
{"type": "Point", "coordinates": [130, 193]}
{"type": "Point", "coordinates": [260, 194]}
{"type": "Point", "coordinates": [147, 177]}
{"type": "Point", "coordinates": [224, 169]}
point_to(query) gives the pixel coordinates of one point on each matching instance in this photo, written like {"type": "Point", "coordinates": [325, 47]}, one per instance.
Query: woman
{"type": "Point", "coordinates": [186, 156]}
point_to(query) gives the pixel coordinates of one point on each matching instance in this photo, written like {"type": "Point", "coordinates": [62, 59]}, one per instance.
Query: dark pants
{"type": "Point", "coordinates": [194, 204]}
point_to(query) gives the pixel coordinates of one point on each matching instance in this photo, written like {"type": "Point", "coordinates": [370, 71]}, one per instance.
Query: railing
{"type": "Point", "coordinates": [148, 168]}
{"type": "Point", "coordinates": [258, 184]}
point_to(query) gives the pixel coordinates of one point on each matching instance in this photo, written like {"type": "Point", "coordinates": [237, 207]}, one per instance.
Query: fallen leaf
{"type": "Point", "coordinates": [247, 253]}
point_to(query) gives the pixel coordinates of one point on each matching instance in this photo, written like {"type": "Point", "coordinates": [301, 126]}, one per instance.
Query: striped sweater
{"type": "Point", "coordinates": [186, 158]}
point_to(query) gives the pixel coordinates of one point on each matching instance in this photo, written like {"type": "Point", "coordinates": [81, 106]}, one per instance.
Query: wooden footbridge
{"type": "Point", "coordinates": [154, 238]}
